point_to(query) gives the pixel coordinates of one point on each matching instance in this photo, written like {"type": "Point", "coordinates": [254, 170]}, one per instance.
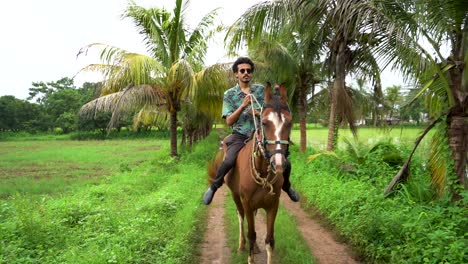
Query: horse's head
{"type": "Point", "coordinates": [276, 125]}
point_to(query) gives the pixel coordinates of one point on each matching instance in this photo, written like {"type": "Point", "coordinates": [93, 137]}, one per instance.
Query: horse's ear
{"type": "Point", "coordinates": [268, 92]}
{"type": "Point", "coordinates": [283, 92]}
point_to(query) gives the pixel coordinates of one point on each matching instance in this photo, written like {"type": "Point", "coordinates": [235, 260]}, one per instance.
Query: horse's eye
{"type": "Point", "coordinates": [264, 123]}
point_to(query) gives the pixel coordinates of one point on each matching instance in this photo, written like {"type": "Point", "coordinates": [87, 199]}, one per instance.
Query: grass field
{"type": "Point", "coordinates": [51, 166]}
{"type": "Point", "coordinates": [127, 201]}
{"type": "Point", "coordinates": [116, 201]}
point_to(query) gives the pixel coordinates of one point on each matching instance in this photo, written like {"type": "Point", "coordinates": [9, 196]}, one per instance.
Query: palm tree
{"type": "Point", "coordinates": [313, 27]}
{"type": "Point", "coordinates": [283, 52]}
{"type": "Point", "coordinates": [166, 78]}
{"type": "Point", "coordinates": [348, 52]}
{"type": "Point", "coordinates": [412, 35]}
{"type": "Point", "coordinates": [288, 61]}
{"type": "Point", "coordinates": [392, 100]}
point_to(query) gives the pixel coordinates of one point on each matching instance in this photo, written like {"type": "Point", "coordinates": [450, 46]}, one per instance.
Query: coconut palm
{"type": "Point", "coordinates": [166, 78]}
{"type": "Point", "coordinates": [313, 27]}
{"type": "Point", "coordinates": [413, 35]}
{"type": "Point", "coordinates": [349, 52]}
{"type": "Point", "coordinates": [282, 51]}
{"type": "Point", "coordinates": [283, 60]}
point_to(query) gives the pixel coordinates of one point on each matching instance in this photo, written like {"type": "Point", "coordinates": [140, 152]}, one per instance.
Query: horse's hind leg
{"type": "Point", "coordinates": [240, 215]}
{"type": "Point", "coordinates": [270, 239]}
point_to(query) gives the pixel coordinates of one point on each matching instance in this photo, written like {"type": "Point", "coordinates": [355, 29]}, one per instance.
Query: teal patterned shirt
{"type": "Point", "coordinates": [233, 98]}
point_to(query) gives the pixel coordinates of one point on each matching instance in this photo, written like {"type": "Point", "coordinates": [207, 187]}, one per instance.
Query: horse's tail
{"type": "Point", "coordinates": [214, 164]}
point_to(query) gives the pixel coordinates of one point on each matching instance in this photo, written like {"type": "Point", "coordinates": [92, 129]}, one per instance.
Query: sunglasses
{"type": "Point", "coordinates": [249, 71]}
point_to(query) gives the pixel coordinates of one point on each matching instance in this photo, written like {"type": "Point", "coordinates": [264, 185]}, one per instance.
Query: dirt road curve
{"type": "Point", "coordinates": [320, 241]}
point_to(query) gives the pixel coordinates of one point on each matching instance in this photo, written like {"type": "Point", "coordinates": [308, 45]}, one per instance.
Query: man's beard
{"type": "Point", "coordinates": [245, 80]}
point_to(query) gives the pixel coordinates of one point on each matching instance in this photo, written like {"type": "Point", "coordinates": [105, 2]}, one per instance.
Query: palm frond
{"type": "Point", "coordinates": [211, 83]}
{"type": "Point", "coordinates": [403, 174]}
{"type": "Point", "coordinates": [151, 116]}
{"type": "Point", "coordinates": [121, 68]}
{"type": "Point", "coordinates": [180, 79]}
{"type": "Point", "coordinates": [263, 19]}
{"type": "Point", "coordinates": [324, 153]}
{"type": "Point", "coordinates": [131, 99]}
{"type": "Point", "coordinates": [345, 107]}
{"type": "Point", "coordinates": [99, 105]}
{"type": "Point", "coordinates": [275, 63]}
{"type": "Point", "coordinates": [438, 161]}
{"type": "Point", "coordinates": [201, 35]}
{"type": "Point", "coordinates": [152, 24]}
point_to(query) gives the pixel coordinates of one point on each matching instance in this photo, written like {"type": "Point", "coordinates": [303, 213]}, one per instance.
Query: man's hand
{"type": "Point", "coordinates": [246, 101]}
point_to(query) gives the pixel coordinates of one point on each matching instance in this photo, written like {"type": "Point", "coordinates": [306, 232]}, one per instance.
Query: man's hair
{"type": "Point", "coordinates": [242, 60]}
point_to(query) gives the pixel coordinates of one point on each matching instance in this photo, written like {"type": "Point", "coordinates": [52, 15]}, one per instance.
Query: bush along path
{"type": "Point", "coordinates": [316, 244]}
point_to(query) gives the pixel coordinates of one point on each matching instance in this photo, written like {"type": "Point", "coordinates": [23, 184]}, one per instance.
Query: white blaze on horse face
{"type": "Point", "coordinates": [278, 123]}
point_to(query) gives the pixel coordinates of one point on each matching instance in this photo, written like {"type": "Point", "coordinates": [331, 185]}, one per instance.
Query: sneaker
{"type": "Point", "coordinates": [293, 195]}
{"type": "Point", "coordinates": [208, 196]}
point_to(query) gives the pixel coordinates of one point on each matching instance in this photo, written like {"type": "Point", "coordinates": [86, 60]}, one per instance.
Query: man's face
{"type": "Point", "coordinates": [244, 72]}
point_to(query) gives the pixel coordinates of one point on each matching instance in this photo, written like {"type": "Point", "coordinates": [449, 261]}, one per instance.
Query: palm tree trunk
{"type": "Point", "coordinates": [173, 134]}
{"type": "Point", "coordinates": [458, 143]}
{"type": "Point", "coordinates": [332, 119]}
{"type": "Point", "coordinates": [340, 73]}
{"type": "Point", "coordinates": [302, 109]}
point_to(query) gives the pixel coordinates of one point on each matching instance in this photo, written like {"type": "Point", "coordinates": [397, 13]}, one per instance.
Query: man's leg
{"type": "Point", "coordinates": [234, 145]}
{"type": "Point", "coordinates": [293, 195]}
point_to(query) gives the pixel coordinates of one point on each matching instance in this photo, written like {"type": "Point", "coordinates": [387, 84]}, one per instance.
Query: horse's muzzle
{"type": "Point", "coordinates": [278, 163]}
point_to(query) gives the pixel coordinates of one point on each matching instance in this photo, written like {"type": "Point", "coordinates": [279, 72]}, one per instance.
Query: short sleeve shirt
{"type": "Point", "coordinates": [233, 98]}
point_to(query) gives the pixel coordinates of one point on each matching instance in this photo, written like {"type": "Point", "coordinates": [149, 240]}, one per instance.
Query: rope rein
{"type": "Point", "coordinates": [262, 181]}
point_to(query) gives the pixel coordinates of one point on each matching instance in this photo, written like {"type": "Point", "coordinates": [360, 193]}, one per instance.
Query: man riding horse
{"type": "Point", "coordinates": [238, 114]}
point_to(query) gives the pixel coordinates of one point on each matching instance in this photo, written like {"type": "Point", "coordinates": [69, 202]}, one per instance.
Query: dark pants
{"type": "Point", "coordinates": [235, 142]}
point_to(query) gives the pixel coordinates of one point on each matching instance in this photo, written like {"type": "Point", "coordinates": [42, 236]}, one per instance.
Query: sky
{"type": "Point", "coordinates": [40, 39]}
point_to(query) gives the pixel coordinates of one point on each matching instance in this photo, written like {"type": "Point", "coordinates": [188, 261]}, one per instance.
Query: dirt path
{"type": "Point", "coordinates": [320, 241]}
{"type": "Point", "coordinates": [215, 249]}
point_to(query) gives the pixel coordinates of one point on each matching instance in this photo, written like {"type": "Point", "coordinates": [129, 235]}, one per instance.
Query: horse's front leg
{"type": "Point", "coordinates": [251, 235]}
{"type": "Point", "coordinates": [240, 216]}
{"type": "Point", "coordinates": [270, 239]}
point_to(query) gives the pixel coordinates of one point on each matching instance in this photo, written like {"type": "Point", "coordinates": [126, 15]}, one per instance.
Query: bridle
{"type": "Point", "coordinates": [260, 143]}
{"type": "Point", "coordinates": [264, 142]}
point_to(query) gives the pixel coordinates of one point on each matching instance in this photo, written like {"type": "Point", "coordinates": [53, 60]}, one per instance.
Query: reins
{"type": "Point", "coordinates": [261, 141]}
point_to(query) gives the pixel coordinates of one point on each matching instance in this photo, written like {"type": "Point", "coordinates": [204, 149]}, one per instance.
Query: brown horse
{"type": "Point", "coordinates": [257, 177]}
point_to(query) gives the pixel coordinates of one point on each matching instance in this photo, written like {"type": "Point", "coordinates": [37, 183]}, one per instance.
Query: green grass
{"type": "Point", "coordinates": [54, 166]}
{"type": "Point", "coordinates": [145, 209]}
{"type": "Point", "coordinates": [410, 227]}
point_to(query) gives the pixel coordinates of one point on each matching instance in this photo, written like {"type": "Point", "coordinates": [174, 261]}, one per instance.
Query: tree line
{"type": "Point", "coordinates": [56, 105]}
{"type": "Point", "coordinates": [50, 106]}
